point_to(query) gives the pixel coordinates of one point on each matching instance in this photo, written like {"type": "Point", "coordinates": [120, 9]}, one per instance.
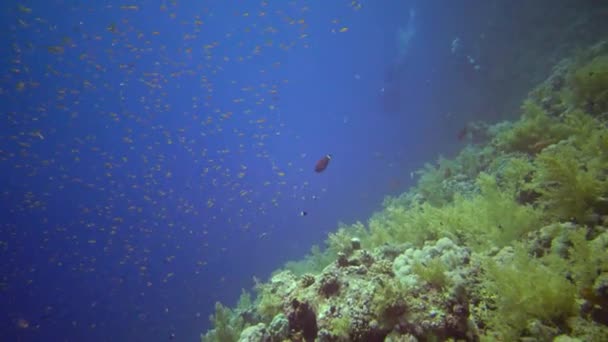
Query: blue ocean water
{"type": "Point", "coordinates": [156, 157]}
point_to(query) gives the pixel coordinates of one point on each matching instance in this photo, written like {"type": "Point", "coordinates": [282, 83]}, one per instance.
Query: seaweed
{"type": "Point", "coordinates": [389, 302]}
{"type": "Point", "coordinates": [524, 289]}
{"type": "Point", "coordinates": [533, 132]}
{"type": "Point", "coordinates": [341, 240]}
{"type": "Point", "coordinates": [431, 182]}
{"type": "Point", "coordinates": [340, 326]}
{"type": "Point", "coordinates": [396, 224]}
{"type": "Point", "coordinates": [268, 304]}
{"type": "Point", "coordinates": [590, 85]}
{"type": "Point", "coordinates": [244, 302]}
{"type": "Point", "coordinates": [492, 215]}
{"type": "Point", "coordinates": [432, 272]}
{"type": "Point", "coordinates": [314, 262]}
{"type": "Point", "coordinates": [227, 325]}
{"type": "Point", "coordinates": [568, 188]}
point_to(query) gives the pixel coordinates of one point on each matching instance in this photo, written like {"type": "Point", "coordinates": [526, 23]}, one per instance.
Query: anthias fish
{"type": "Point", "coordinates": [322, 163]}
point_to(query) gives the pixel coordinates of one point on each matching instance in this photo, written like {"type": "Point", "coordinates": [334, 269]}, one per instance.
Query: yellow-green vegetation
{"type": "Point", "coordinates": [512, 174]}
{"type": "Point", "coordinates": [268, 304]}
{"type": "Point", "coordinates": [472, 160]}
{"type": "Point", "coordinates": [227, 326]}
{"type": "Point", "coordinates": [567, 188]}
{"type": "Point", "coordinates": [244, 302]}
{"type": "Point", "coordinates": [590, 84]}
{"type": "Point", "coordinates": [586, 259]}
{"type": "Point", "coordinates": [432, 272]}
{"type": "Point", "coordinates": [571, 176]}
{"type": "Point", "coordinates": [314, 262]}
{"type": "Point", "coordinates": [340, 326]}
{"type": "Point", "coordinates": [340, 241]}
{"type": "Point", "coordinates": [389, 301]}
{"type": "Point", "coordinates": [430, 184]}
{"type": "Point", "coordinates": [489, 218]}
{"type": "Point", "coordinates": [523, 289]}
{"type": "Point", "coordinates": [533, 132]}
{"type": "Point", "coordinates": [437, 185]}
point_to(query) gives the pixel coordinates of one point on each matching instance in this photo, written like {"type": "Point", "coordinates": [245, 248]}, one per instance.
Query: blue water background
{"type": "Point", "coordinates": [148, 171]}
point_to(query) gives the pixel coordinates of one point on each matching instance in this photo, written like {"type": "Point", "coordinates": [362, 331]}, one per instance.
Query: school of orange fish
{"type": "Point", "coordinates": [86, 108]}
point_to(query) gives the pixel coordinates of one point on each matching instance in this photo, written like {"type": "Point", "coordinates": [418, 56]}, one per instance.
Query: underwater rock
{"type": "Point", "coordinates": [355, 243]}
{"type": "Point", "coordinates": [343, 260]}
{"type": "Point", "coordinates": [395, 337]}
{"type": "Point", "coordinates": [307, 280]}
{"type": "Point", "coordinates": [383, 266]}
{"type": "Point", "coordinates": [278, 329]}
{"type": "Point", "coordinates": [390, 252]}
{"type": "Point", "coordinates": [550, 238]}
{"type": "Point", "coordinates": [566, 338]}
{"type": "Point", "coordinates": [255, 333]}
{"type": "Point", "coordinates": [454, 260]}
{"type": "Point", "coordinates": [302, 320]}
{"type": "Point", "coordinates": [597, 300]}
{"type": "Point", "coordinates": [330, 285]}
{"type": "Point", "coordinates": [541, 332]}
{"type": "Point", "coordinates": [250, 315]}
{"type": "Point", "coordinates": [283, 283]}
{"type": "Point", "coordinates": [600, 287]}
{"type": "Point", "coordinates": [358, 258]}
{"type": "Point", "coordinates": [364, 258]}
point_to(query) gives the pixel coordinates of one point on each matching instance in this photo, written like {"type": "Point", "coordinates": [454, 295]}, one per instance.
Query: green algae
{"type": "Point", "coordinates": [590, 85]}
{"type": "Point", "coordinates": [524, 289]}
{"type": "Point", "coordinates": [227, 325]}
{"type": "Point", "coordinates": [533, 132]}
{"type": "Point", "coordinates": [433, 273]}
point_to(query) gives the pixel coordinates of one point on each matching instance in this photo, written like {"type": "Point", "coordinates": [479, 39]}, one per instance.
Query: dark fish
{"type": "Point", "coordinates": [303, 213]}
{"type": "Point", "coordinates": [322, 163]}
{"type": "Point", "coordinates": [462, 133]}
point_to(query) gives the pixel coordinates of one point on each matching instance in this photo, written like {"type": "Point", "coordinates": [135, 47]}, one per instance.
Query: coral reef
{"type": "Point", "coordinates": [508, 241]}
